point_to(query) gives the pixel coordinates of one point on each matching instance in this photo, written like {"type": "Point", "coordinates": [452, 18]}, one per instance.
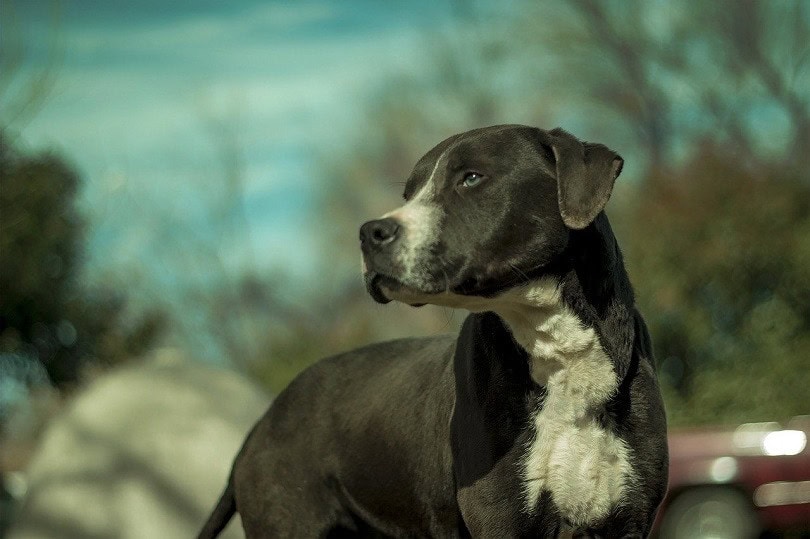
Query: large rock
{"type": "Point", "coordinates": [144, 452]}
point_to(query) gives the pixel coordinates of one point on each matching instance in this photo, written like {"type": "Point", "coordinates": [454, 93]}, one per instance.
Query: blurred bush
{"type": "Point", "coordinates": [719, 252]}
{"type": "Point", "coordinates": [49, 321]}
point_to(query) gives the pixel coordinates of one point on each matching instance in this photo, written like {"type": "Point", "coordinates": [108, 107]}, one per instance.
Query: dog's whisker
{"type": "Point", "coordinates": [442, 266]}
{"type": "Point", "coordinates": [523, 277]}
{"type": "Point", "coordinates": [537, 219]}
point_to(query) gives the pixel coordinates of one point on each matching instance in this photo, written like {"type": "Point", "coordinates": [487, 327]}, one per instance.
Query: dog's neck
{"type": "Point", "coordinates": [565, 356]}
{"type": "Point", "coordinates": [578, 322]}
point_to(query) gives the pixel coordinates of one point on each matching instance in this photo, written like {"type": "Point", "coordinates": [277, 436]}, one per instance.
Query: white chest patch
{"type": "Point", "coordinates": [584, 467]}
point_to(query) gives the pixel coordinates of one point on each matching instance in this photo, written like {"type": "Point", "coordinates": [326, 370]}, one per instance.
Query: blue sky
{"type": "Point", "coordinates": [139, 85]}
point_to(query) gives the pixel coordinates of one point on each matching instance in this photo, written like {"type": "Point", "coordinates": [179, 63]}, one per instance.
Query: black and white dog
{"type": "Point", "coordinates": [542, 417]}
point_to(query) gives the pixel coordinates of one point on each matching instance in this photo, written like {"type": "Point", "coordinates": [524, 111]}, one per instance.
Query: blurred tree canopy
{"type": "Point", "coordinates": [47, 317]}
{"type": "Point", "coordinates": [668, 75]}
{"type": "Point", "coordinates": [54, 328]}
{"type": "Point", "coordinates": [719, 253]}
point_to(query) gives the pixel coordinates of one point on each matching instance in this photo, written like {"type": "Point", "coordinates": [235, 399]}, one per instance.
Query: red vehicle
{"type": "Point", "coordinates": [738, 482]}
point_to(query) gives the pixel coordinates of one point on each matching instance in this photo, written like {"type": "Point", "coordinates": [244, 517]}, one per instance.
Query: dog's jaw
{"type": "Point", "coordinates": [415, 298]}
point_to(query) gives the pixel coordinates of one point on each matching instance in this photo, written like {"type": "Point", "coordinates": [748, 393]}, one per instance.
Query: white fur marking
{"type": "Point", "coordinates": [436, 166]}
{"type": "Point", "coordinates": [584, 467]}
{"type": "Point", "coordinates": [419, 218]}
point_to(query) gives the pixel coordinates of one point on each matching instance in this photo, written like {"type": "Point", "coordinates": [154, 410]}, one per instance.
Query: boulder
{"type": "Point", "coordinates": [144, 451]}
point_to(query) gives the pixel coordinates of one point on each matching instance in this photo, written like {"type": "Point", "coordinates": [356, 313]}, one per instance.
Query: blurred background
{"type": "Point", "coordinates": [181, 185]}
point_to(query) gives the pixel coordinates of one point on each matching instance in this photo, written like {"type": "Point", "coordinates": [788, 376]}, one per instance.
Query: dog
{"type": "Point", "coordinates": [542, 417]}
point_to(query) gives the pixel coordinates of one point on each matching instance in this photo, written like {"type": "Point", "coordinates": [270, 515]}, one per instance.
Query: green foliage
{"type": "Point", "coordinates": [299, 345]}
{"type": "Point", "coordinates": [720, 257]}
{"type": "Point", "coordinates": [336, 323]}
{"type": "Point", "coordinates": [45, 315]}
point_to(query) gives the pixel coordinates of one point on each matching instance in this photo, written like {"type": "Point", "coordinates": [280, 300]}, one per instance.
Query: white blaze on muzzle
{"type": "Point", "coordinates": [419, 220]}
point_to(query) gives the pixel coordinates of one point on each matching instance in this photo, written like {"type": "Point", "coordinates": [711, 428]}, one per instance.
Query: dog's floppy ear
{"type": "Point", "coordinates": [585, 176]}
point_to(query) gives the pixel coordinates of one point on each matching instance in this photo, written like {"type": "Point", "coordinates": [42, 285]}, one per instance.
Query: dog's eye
{"type": "Point", "coordinates": [471, 179]}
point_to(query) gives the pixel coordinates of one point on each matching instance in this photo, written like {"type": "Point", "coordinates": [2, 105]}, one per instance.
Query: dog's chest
{"type": "Point", "coordinates": [583, 466]}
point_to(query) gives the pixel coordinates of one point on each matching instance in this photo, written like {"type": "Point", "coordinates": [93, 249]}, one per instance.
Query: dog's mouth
{"type": "Point", "coordinates": [473, 292]}
{"type": "Point", "coordinates": [374, 281]}
{"type": "Point", "coordinates": [378, 284]}
{"type": "Point", "coordinates": [385, 288]}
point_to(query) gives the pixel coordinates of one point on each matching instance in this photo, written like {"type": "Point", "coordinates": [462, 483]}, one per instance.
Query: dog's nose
{"type": "Point", "coordinates": [379, 233]}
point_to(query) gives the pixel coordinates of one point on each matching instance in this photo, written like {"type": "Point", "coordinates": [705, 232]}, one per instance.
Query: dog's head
{"type": "Point", "coordinates": [484, 210]}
